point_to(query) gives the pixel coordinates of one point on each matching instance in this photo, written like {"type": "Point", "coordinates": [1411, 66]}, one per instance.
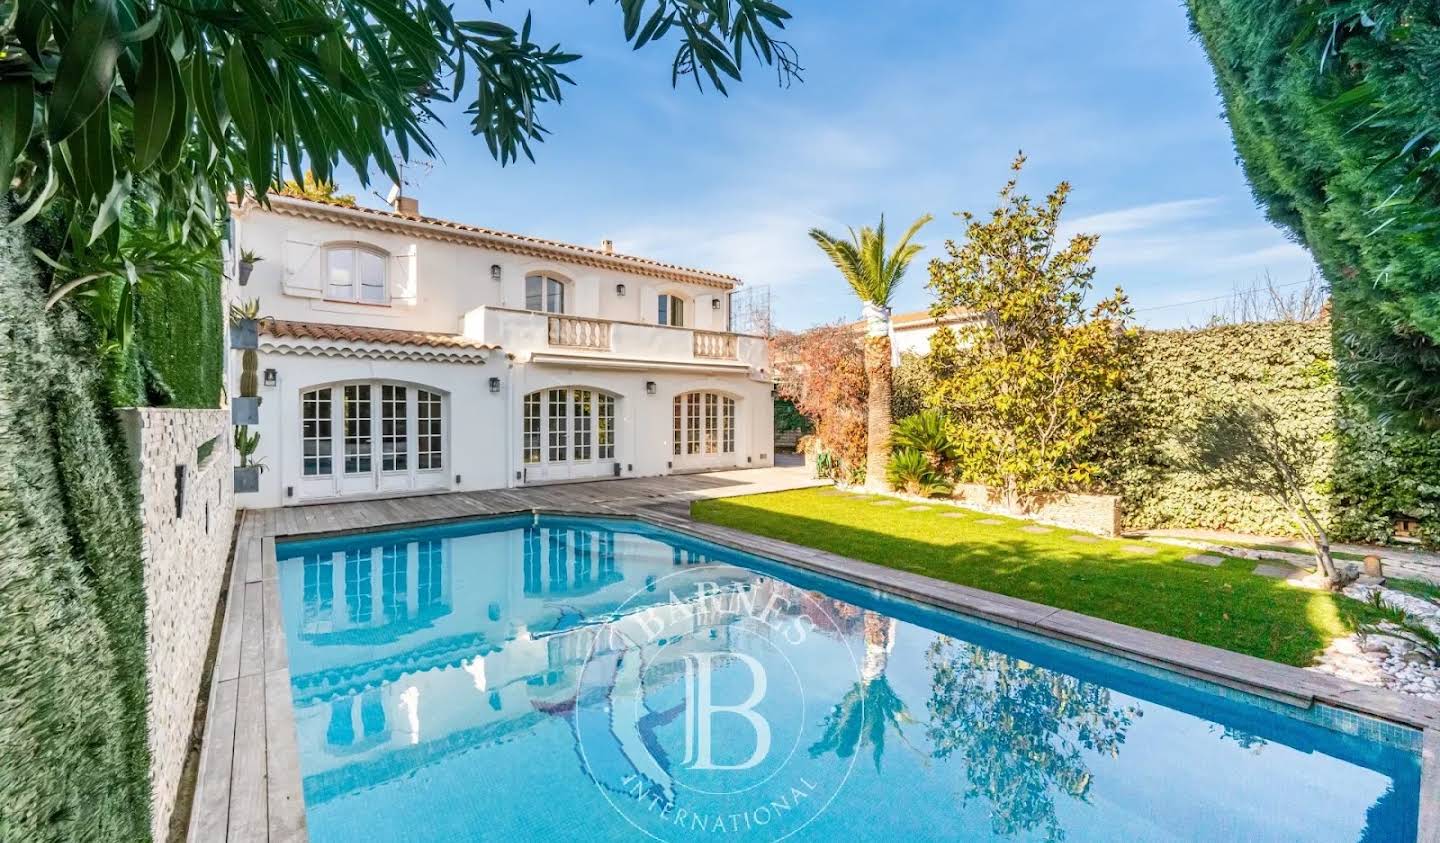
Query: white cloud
{"type": "Point", "coordinates": [1140, 217]}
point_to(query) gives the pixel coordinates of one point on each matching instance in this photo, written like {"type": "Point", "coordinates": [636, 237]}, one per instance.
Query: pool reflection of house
{"type": "Point", "coordinates": [377, 633]}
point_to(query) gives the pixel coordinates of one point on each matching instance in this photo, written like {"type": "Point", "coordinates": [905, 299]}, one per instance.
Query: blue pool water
{"type": "Point", "coordinates": [584, 679]}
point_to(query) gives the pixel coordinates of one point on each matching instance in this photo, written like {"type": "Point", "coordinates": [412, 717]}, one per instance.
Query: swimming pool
{"type": "Point", "coordinates": [529, 678]}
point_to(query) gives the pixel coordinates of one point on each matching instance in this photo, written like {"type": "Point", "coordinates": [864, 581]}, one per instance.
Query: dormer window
{"type": "Point", "coordinates": [671, 311]}
{"type": "Point", "coordinates": [355, 274]}
{"type": "Point", "coordinates": [545, 294]}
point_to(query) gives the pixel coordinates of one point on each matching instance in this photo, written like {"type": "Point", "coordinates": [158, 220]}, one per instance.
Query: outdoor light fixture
{"type": "Point", "coordinates": [494, 384]}
{"type": "Point", "coordinates": [649, 387]}
{"type": "Point", "coordinates": [270, 377]}
{"type": "Point", "coordinates": [620, 290]}
{"type": "Point", "coordinates": [715, 304]}
{"type": "Point", "coordinates": [494, 272]}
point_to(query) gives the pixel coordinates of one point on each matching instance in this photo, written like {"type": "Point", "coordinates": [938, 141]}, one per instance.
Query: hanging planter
{"type": "Point", "coordinates": [247, 479]}
{"type": "Point", "coordinates": [247, 473]}
{"type": "Point", "coordinates": [245, 325]}
{"type": "Point", "coordinates": [248, 259]}
{"type": "Point", "coordinates": [245, 334]}
{"type": "Point", "coordinates": [244, 410]}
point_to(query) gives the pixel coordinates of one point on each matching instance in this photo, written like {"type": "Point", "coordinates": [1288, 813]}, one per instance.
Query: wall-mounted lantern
{"type": "Point", "coordinates": [620, 290]}
{"type": "Point", "coordinates": [649, 387]}
{"type": "Point", "coordinates": [271, 377]}
{"type": "Point", "coordinates": [494, 384]}
{"type": "Point", "coordinates": [715, 304]}
{"type": "Point", "coordinates": [494, 272]}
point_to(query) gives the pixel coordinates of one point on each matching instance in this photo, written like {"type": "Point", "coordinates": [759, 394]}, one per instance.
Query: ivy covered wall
{"type": "Point", "coordinates": [1368, 472]}
{"type": "Point", "coordinates": [72, 640]}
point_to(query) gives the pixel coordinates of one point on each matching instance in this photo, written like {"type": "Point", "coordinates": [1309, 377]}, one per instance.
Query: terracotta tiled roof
{"type": "Point", "coordinates": [501, 240]}
{"type": "Point", "coordinates": [284, 329]}
{"type": "Point", "coordinates": [922, 317]}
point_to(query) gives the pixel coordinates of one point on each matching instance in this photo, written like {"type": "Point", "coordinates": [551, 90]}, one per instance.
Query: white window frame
{"type": "Point", "coordinates": [532, 435]}
{"type": "Point", "coordinates": [604, 426]}
{"type": "Point", "coordinates": [429, 430]}
{"type": "Point", "coordinates": [357, 285]}
{"type": "Point", "coordinates": [365, 423]}
{"type": "Point", "coordinates": [551, 288]}
{"type": "Point", "coordinates": [317, 425]}
{"type": "Point", "coordinates": [670, 309]}
{"type": "Point", "coordinates": [394, 428]}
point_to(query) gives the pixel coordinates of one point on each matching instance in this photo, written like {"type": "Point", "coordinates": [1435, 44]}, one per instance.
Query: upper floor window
{"type": "Point", "coordinates": [544, 293]}
{"type": "Point", "coordinates": [672, 311]}
{"type": "Point", "coordinates": [355, 274]}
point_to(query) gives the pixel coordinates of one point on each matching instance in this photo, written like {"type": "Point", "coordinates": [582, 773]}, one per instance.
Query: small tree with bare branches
{"type": "Point", "coordinates": [1240, 445]}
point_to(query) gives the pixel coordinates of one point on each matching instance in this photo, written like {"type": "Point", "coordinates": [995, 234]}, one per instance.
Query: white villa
{"type": "Point", "coordinates": [403, 354]}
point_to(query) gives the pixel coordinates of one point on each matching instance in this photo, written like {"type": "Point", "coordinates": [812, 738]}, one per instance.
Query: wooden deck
{"type": "Point", "coordinates": [249, 785]}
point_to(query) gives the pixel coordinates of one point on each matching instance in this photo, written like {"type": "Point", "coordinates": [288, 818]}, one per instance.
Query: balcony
{"type": "Point", "coordinates": [582, 340]}
{"type": "Point", "coordinates": [576, 332]}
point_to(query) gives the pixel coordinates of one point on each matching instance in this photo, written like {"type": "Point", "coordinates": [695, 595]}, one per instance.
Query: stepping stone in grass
{"type": "Point", "coordinates": [1279, 572]}
{"type": "Point", "coordinates": [917, 508]}
{"type": "Point", "coordinates": [1139, 549]}
{"type": "Point", "coordinates": [1035, 528]}
{"type": "Point", "coordinates": [1082, 538]}
{"type": "Point", "coordinates": [991, 522]}
{"type": "Point", "coordinates": [883, 502]}
{"type": "Point", "coordinates": [834, 492]}
{"type": "Point", "coordinates": [955, 515]}
{"type": "Point", "coordinates": [1205, 559]}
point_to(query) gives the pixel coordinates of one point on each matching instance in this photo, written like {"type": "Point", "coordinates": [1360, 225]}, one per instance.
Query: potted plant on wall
{"type": "Point", "coordinates": [245, 409]}
{"type": "Point", "coordinates": [245, 325]}
{"type": "Point", "coordinates": [247, 474]}
{"type": "Point", "coordinates": [248, 259]}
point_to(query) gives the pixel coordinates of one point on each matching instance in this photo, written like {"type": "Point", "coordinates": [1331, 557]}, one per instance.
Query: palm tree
{"type": "Point", "coordinates": [874, 276]}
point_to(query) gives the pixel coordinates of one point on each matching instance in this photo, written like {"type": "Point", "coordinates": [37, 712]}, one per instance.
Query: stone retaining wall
{"type": "Point", "coordinates": [187, 511]}
{"type": "Point", "coordinates": [1092, 513]}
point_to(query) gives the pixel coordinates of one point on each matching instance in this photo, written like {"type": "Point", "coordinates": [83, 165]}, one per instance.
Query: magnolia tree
{"type": "Point", "coordinates": [1030, 385]}
{"type": "Point", "coordinates": [822, 371]}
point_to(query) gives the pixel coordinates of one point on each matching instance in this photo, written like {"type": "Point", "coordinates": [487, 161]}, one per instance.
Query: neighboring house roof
{"type": "Point", "coordinates": [502, 241]}
{"type": "Point", "coordinates": [323, 338]}
{"type": "Point", "coordinates": [923, 319]}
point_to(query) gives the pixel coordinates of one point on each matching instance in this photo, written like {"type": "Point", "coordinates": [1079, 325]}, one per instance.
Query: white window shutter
{"type": "Point", "coordinates": [404, 276]}
{"type": "Point", "coordinates": [304, 269]}
{"type": "Point", "coordinates": [649, 304]}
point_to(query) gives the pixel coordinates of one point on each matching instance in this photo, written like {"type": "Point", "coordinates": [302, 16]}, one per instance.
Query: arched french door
{"type": "Point", "coordinates": [362, 437]}
{"type": "Point", "coordinates": [703, 427]}
{"type": "Point", "coordinates": [567, 433]}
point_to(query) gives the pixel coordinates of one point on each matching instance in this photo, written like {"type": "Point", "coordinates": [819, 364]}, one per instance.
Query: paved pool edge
{"type": "Point", "coordinates": [249, 784]}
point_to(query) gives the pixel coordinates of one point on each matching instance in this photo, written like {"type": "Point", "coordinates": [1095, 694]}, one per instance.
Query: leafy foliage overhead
{"type": "Point", "coordinates": [182, 101]}
{"type": "Point", "coordinates": [1336, 117]}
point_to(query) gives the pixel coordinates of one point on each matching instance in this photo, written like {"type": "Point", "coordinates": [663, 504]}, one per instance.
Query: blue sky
{"type": "Point", "coordinates": [908, 107]}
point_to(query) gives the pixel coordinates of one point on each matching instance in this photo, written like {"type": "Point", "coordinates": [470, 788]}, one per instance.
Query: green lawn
{"type": "Point", "coordinates": [1226, 606]}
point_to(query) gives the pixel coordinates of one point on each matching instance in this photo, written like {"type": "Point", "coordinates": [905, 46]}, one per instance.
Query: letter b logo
{"type": "Point", "coordinates": [700, 710]}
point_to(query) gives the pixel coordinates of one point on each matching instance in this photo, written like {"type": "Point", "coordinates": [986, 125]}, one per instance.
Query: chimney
{"type": "Point", "coordinates": [607, 246]}
{"type": "Point", "coordinates": [407, 205]}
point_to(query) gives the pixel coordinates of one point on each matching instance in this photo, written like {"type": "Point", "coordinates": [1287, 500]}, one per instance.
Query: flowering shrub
{"type": "Point", "coordinates": [822, 371]}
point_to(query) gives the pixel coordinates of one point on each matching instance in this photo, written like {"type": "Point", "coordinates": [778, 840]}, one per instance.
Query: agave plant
{"type": "Point", "coordinates": [910, 471]}
{"type": "Point", "coordinates": [1398, 623]}
{"type": "Point", "coordinates": [928, 433]}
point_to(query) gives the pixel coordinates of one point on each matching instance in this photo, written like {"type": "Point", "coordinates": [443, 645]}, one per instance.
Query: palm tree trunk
{"type": "Point", "coordinates": [877, 426]}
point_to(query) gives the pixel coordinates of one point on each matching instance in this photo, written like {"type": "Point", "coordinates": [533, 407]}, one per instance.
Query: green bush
{"type": "Point", "coordinates": [911, 381]}
{"type": "Point", "coordinates": [1366, 472]}
{"type": "Point", "coordinates": [910, 471]}
{"type": "Point", "coordinates": [177, 357]}
{"type": "Point", "coordinates": [1332, 104]}
{"type": "Point", "coordinates": [72, 642]}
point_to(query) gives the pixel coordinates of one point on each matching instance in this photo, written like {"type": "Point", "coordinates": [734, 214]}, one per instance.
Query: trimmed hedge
{"type": "Point", "coordinates": [1368, 472]}
{"type": "Point", "coordinates": [177, 357]}
{"type": "Point", "coordinates": [72, 639]}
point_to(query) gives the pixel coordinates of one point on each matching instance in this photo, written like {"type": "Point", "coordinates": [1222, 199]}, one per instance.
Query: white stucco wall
{"type": "Point", "coordinates": [446, 287]}
{"type": "Point", "coordinates": [453, 278]}
{"type": "Point", "coordinates": [184, 554]}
